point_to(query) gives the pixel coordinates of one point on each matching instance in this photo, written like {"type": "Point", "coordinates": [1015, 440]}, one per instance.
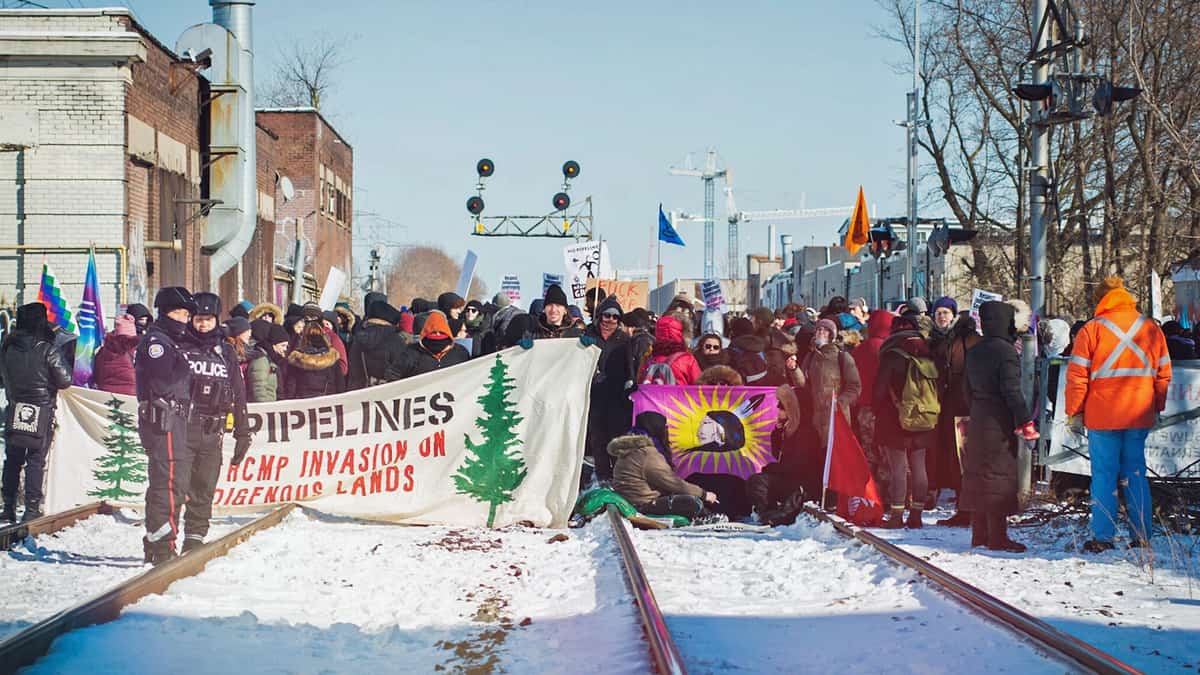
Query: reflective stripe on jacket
{"type": "Point", "coordinates": [1119, 368]}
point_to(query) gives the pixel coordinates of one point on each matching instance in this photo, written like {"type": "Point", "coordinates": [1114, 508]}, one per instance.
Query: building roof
{"type": "Point", "coordinates": [312, 110]}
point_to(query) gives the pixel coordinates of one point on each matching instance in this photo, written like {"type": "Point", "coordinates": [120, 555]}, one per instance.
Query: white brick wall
{"type": "Point", "coordinates": [74, 178]}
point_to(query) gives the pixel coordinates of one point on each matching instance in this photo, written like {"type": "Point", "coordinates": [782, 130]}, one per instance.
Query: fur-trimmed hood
{"type": "Point", "coordinates": [264, 308]}
{"type": "Point", "coordinates": [720, 376]}
{"type": "Point", "coordinates": [351, 319]}
{"type": "Point", "coordinates": [1022, 315]}
{"type": "Point", "coordinates": [313, 360]}
{"type": "Point", "coordinates": [791, 404]}
{"type": "Point", "coordinates": [623, 445]}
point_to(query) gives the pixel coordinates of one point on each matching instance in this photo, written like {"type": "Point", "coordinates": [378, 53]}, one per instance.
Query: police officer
{"type": "Point", "coordinates": [164, 379]}
{"type": "Point", "coordinates": [217, 392]}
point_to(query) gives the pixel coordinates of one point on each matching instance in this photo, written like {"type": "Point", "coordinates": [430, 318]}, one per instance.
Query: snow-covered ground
{"type": "Point", "coordinates": [805, 599]}
{"type": "Point", "coordinates": [1142, 608]}
{"type": "Point", "coordinates": [322, 596]}
{"type": "Point", "coordinates": [41, 576]}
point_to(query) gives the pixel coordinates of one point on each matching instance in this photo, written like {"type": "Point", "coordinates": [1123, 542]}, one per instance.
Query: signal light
{"type": "Point", "coordinates": [1028, 91]}
{"type": "Point", "coordinates": [485, 168]}
{"type": "Point", "coordinates": [1107, 94]}
{"type": "Point", "coordinates": [475, 205]}
{"type": "Point", "coordinates": [561, 201]}
{"type": "Point", "coordinates": [570, 169]}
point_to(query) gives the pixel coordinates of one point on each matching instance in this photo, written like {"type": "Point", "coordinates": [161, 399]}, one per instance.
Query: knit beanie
{"type": "Point", "coordinates": [125, 326]}
{"type": "Point", "coordinates": [1109, 284]}
{"type": "Point", "coordinates": [947, 302]}
{"type": "Point", "coordinates": [278, 334]}
{"type": "Point", "coordinates": [236, 326]}
{"type": "Point", "coordinates": [555, 296]}
{"type": "Point", "coordinates": [829, 325]}
{"type": "Point", "coordinates": [500, 300]}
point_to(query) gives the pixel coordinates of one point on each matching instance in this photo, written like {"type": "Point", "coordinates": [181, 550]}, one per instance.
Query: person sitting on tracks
{"type": "Point", "coordinates": [777, 492]}
{"type": "Point", "coordinates": [642, 472]}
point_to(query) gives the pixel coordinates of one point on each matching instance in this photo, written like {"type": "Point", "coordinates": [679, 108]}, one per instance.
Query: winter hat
{"type": "Point", "coordinates": [241, 309]}
{"type": "Point", "coordinates": [372, 298]}
{"type": "Point", "coordinates": [236, 326]}
{"type": "Point", "coordinates": [405, 322]}
{"type": "Point", "coordinates": [608, 304]}
{"type": "Point", "coordinates": [1109, 284]}
{"type": "Point", "coordinates": [278, 334]}
{"type": "Point", "coordinates": [137, 310]}
{"type": "Point", "coordinates": [382, 309]}
{"type": "Point", "coordinates": [32, 317]}
{"type": "Point", "coordinates": [293, 310]}
{"type": "Point", "coordinates": [904, 322]}
{"type": "Point", "coordinates": [829, 325]}
{"type": "Point", "coordinates": [311, 311]}
{"type": "Point", "coordinates": [420, 306]}
{"type": "Point", "coordinates": [740, 326]}
{"type": "Point", "coordinates": [500, 300]}
{"type": "Point", "coordinates": [915, 305]}
{"type": "Point", "coordinates": [555, 296]}
{"type": "Point", "coordinates": [449, 301]}
{"type": "Point", "coordinates": [947, 302]}
{"type": "Point", "coordinates": [125, 326]}
{"type": "Point", "coordinates": [636, 318]}
{"type": "Point", "coordinates": [330, 316]}
{"type": "Point", "coordinates": [575, 312]}
{"type": "Point", "coordinates": [436, 326]}
{"type": "Point", "coordinates": [764, 316]}
{"type": "Point", "coordinates": [260, 330]}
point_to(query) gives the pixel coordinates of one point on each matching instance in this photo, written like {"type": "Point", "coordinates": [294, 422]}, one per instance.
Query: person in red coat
{"type": "Point", "coordinates": [866, 358]}
{"type": "Point", "coordinates": [669, 348]}
{"type": "Point", "coordinates": [112, 368]}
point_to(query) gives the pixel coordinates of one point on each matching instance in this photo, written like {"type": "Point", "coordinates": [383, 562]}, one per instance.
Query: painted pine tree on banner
{"type": "Point", "coordinates": [124, 463]}
{"type": "Point", "coordinates": [493, 469]}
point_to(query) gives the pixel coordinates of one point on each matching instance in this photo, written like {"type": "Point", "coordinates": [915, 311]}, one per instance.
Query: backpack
{"type": "Point", "coordinates": [918, 406]}
{"type": "Point", "coordinates": [660, 372]}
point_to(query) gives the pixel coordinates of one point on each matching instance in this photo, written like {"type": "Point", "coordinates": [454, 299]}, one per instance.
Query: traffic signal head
{"type": "Point", "coordinates": [561, 201]}
{"type": "Point", "coordinates": [570, 169]}
{"type": "Point", "coordinates": [475, 205]}
{"type": "Point", "coordinates": [1107, 94]}
{"type": "Point", "coordinates": [485, 168]}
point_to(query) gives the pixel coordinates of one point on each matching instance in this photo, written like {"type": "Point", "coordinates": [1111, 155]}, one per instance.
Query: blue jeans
{"type": "Point", "coordinates": [1119, 458]}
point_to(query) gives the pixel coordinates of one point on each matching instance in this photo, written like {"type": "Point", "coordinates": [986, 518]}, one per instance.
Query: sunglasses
{"type": "Point", "coordinates": [712, 348]}
{"type": "Point", "coordinates": [472, 310]}
{"type": "Point", "coordinates": [610, 315]}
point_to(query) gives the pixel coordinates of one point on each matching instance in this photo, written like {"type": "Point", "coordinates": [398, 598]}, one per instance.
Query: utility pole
{"type": "Point", "coordinates": [1039, 182]}
{"type": "Point", "coordinates": [911, 125]}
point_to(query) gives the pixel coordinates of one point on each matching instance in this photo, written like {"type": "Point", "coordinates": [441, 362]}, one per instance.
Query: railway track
{"type": "Point", "coordinates": [11, 534]}
{"type": "Point", "coordinates": [1027, 627]}
{"type": "Point", "coordinates": [27, 646]}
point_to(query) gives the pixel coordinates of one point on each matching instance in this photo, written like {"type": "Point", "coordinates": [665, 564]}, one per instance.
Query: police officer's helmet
{"type": "Point", "coordinates": [208, 304]}
{"type": "Point", "coordinates": [174, 297]}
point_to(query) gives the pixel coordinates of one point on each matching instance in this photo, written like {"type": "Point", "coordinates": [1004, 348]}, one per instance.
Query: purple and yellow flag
{"type": "Point", "coordinates": [713, 429]}
{"type": "Point", "coordinates": [91, 325]}
{"type": "Point", "coordinates": [49, 295]}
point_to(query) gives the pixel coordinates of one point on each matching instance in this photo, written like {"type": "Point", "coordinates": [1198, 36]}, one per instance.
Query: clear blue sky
{"type": "Point", "coordinates": [797, 97]}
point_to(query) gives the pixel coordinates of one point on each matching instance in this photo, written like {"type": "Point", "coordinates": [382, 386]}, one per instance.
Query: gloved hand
{"type": "Point", "coordinates": [525, 343]}
{"type": "Point", "coordinates": [1028, 432]}
{"type": "Point", "coordinates": [1075, 424]}
{"type": "Point", "coordinates": [240, 447]}
{"type": "Point", "coordinates": [587, 340]}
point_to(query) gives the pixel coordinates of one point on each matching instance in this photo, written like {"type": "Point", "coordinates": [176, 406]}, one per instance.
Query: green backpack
{"type": "Point", "coordinates": [917, 405]}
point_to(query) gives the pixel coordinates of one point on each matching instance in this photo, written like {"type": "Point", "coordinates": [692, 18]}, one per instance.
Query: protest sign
{"type": "Point", "coordinates": [978, 297]}
{"type": "Point", "coordinates": [630, 294]}
{"type": "Point", "coordinates": [511, 286]}
{"type": "Point", "coordinates": [463, 288]}
{"type": "Point", "coordinates": [549, 280]}
{"type": "Point", "coordinates": [437, 448]}
{"type": "Point", "coordinates": [334, 282]}
{"type": "Point", "coordinates": [585, 260]}
{"type": "Point", "coordinates": [714, 298]}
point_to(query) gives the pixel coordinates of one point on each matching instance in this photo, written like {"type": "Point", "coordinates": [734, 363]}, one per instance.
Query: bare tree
{"type": "Point", "coordinates": [305, 71]}
{"type": "Point", "coordinates": [426, 272]}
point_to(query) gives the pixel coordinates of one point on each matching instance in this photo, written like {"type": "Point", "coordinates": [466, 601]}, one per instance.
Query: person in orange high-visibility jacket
{"type": "Point", "coordinates": [1117, 378]}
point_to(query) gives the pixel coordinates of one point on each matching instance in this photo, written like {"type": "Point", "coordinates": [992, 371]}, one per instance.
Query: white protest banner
{"type": "Point", "coordinates": [495, 441]}
{"type": "Point", "coordinates": [585, 260]}
{"type": "Point", "coordinates": [334, 282]}
{"type": "Point", "coordinates": [1169, 449]}
{"type": "Point", "coordinates": [978, 297]}
{"type": "Point", "coordinates": [463, 289]}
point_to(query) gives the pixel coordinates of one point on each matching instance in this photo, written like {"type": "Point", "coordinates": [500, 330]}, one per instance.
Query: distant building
{"type": "Point", "coordinates": [320, 165]}
{"type": "Point", "coordinates": [734, 291]}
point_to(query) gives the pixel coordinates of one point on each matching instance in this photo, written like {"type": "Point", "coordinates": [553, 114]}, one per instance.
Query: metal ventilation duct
{"type": "Point", "coordinates": [785, 242]}
{"type": "Point", "coordinates": [233, 169]}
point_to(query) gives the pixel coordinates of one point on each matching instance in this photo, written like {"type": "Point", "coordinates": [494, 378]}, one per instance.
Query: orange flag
{"type": "Point", "coordinates": [859, 232]}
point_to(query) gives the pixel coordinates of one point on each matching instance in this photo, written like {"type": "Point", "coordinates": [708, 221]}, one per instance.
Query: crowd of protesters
{"type": "Point", "coordinates": [907, 380]}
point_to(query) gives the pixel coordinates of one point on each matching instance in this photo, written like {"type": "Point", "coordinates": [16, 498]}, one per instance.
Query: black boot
{"type": "Point", "coordinates": [158, 552]}
{"type": "Point", "coordinates": [998, 535]}
{"type": "Point", "coordinates": [190, 544]}
{"type": "Point", "coordinates": [9, 515]}
{"type": "Point", "coordinates": [914, 519]}
{"type": "Point", "coordinates": [894, 520]}
{"type": "Point", "coordinates": [33, 511]}
{"type": "Point", "coordinates": [959, 519]}
{"type": "Point", "coordinates": [979, 530]}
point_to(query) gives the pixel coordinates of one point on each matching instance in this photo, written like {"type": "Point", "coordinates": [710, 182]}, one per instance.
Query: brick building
{"type": "Point", "coordinates": [104, 142]}
{"type": "Point", "coordinates": [320, 165]}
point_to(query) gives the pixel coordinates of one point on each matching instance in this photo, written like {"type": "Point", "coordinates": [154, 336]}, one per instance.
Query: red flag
{"type": "Point", "coordinates": [848, 474]}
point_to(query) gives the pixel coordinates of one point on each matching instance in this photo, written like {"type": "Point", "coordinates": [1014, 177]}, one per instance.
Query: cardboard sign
{"type": "Point", "coordinates": [334, 282]}
{"type": "Point", "coordinates": [585, 260]}
{"type": "Point", "coordinates": [978, 297]}
{"type": "Point", "coordinates": [463, 288]}
{"type": "Point", "coordinates": [631, 294]}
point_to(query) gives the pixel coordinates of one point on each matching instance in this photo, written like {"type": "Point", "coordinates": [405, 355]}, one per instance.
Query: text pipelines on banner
{"type": "Point", "coordinates": [337, 420]}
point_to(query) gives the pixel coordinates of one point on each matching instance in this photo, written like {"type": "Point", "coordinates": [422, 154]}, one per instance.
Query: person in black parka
{"type": "Point", "coordinates": [998, 411]}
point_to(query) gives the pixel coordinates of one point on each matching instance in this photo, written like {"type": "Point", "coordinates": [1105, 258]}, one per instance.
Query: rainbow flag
{"type": "Point", "coordinates": [49, 295]}
{"type": "Point", "coordinates": [91, 325]}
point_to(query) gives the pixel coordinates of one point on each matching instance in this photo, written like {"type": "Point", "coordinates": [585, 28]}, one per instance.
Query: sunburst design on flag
{"type": "Point", "coordinates": [719, 430]}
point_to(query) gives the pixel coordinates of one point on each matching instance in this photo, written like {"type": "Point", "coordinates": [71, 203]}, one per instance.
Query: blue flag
{"type": "Point", "coordinates": [665, 231]}
{"type": "Point", "coordinates": [91, 325]}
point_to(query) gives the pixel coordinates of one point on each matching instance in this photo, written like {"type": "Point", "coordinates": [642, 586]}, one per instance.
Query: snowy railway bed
{"type": "Point", "coordinates": [10, 534]}
{"type": "Point", "coordinates": [805, 599]}
{"type": "Point", "coordinates": [318, 594]}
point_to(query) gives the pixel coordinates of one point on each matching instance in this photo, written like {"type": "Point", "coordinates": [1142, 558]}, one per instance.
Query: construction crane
{"type": "Point", "coordinates": [708, 174]}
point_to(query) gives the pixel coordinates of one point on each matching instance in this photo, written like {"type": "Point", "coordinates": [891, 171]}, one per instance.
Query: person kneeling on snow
{"type": "Point", "coordinates": [642, 472]}
{"type": "Point", "coordinates": [777, 493]}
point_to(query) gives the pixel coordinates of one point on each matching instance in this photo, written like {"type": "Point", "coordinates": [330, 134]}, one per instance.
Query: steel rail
{"type": "Point", "coordinates": [1052, 639]}
{"type": "Point", "coordinates": [664, 655]}
{"type": "Point", "coordinates": [26, 647]}
{"type": "Point", "coordinates": [11, 534]}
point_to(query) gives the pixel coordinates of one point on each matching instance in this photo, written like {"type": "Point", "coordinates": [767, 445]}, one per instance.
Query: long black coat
{"type": "Point", "coordinates": [993, 371]}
